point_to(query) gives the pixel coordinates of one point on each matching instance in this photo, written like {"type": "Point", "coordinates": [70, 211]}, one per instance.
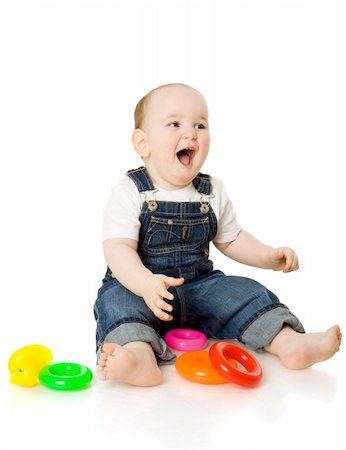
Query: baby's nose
{"type": "Point", "coordinates": [190, 133]}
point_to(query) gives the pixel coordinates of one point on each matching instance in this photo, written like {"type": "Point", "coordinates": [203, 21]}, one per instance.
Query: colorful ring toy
{"type": "Point", "coordinates": [196, 366]}
{"type": "Point", "coordinates": [222, 353]}
{"type": "Point", "coordinates": [186, 340]}
{"type": "Point", "coordinates": [65, 376]}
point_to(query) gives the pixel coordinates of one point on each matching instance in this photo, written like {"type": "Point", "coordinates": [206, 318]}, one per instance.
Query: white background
{"type": "Point", "coordinates": [71, 74]}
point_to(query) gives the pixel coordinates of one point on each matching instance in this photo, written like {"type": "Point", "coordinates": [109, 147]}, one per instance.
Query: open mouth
{"type": "Point", "coordinates": [185, 156]}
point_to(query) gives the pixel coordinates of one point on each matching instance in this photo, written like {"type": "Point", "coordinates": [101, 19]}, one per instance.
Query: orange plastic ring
{"type": "Point", "coordinates": [196, 366]}
{"type": "Point", "coordinates": [222, 355]}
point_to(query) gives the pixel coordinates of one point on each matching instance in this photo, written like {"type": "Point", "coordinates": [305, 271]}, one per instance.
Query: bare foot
{"type": "Point", "coordinates": [300, 350]}
{"type": "Point", "coordinates": [134, 363]}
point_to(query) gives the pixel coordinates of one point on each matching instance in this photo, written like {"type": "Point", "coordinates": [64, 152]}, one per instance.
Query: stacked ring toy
{"type": "Point", "coordinates": [196, 366]}
{"type": "Point", "coordinates": [224, 362]}
{"type": "Point", "coordinates": [186, 340]}
{"type": "Point", "coordinates": [223, 354]}
{"type": "Point", "coordinates": [65, 376]}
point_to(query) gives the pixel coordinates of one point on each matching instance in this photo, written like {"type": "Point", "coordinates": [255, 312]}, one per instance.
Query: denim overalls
{"type": "Point", "coordinates": [174, 240]}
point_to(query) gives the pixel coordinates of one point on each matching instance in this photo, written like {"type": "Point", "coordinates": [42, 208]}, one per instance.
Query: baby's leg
{"type": "Point", "coordinates": [300, 350]}
{"type": "Point", "coordinates": [134, 363]}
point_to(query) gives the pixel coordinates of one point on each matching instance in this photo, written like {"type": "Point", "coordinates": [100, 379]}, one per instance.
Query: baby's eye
{"type": "Point", "coordinates": [173, 124]}
{"type": "Point", "coordinates": [200, 126]}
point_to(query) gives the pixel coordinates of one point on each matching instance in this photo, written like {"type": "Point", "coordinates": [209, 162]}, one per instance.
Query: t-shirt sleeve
{"type": "Point", "coordinates": [121, 216]}
{"type": "Point", "coordinates": [228, 227]}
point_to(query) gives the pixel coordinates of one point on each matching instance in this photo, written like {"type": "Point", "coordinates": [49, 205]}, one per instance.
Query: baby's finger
{"type": "Point", "coordinates": [278, 255]}
{"type": "Point", "coordinates": [291, 262]}
{"type": "Point", "coordinates": [161, 314]}
{"type": "Point", "coordinates": [164, 306]}
{"type": "Point", "coordinates": [295, 264]}
{"type": "Point", "coordinates": [166, 294]}
{"type": "Point", "coordinates": [288, 262]}
{"type": "Point", "coordinates": [171, 281]}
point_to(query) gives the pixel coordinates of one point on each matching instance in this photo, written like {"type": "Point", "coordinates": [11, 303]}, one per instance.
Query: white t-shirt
{"type": "Point", "coordinates": [121, 217]}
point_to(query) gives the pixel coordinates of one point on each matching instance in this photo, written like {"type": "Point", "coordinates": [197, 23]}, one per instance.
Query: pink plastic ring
{"type": "Point", "coordinates": [222, 353]}
{"type": "Point", "coordinates": [186, 340]}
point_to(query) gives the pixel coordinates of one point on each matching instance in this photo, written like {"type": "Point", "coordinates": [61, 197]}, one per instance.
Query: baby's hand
{"type": "Point", "coordinates": [156, 290]}
{"type": "Point", "coordinates": [283, 258]}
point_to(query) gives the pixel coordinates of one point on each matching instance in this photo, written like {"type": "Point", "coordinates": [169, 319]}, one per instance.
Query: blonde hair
{"type": "Point", "coordinates": [141, 105]}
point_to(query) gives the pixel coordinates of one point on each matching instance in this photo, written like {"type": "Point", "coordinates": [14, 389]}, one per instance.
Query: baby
{"type": "Point", "coordinates": [158, 225]}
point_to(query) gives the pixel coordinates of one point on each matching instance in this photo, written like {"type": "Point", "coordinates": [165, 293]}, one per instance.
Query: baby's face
{"type": "Point", "coordinates": [177, 134]}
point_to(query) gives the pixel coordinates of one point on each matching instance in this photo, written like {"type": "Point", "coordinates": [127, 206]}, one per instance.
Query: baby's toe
{"type": "Point", "coordinates": [103, 357]}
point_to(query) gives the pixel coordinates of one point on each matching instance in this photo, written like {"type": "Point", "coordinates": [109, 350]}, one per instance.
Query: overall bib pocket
{"type": "Point", "coordinates": [169, 235]}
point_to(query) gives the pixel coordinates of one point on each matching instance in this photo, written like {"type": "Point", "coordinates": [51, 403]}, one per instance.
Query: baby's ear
{"type": "Point", "coordinates": [140, 144]}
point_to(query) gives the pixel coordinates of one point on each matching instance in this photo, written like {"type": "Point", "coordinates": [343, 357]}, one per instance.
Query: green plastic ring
{"type": "Point", "coordinates": [65, 376]}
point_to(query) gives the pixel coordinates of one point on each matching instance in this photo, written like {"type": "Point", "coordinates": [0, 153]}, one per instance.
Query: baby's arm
{"type": "Point", "coordinates": [123, 260]}
{"type": "Point", "coordinates": [248, 250]}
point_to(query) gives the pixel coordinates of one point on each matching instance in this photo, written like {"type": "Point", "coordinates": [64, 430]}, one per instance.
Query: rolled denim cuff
{"type": "Point", "coordinates": [135, 331]}
{"type": "Point", "coordinates": [265, 327]}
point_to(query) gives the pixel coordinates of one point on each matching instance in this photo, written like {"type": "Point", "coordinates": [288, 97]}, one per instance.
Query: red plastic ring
{"type": "Point", "coordinates": [196, 366]}
{"type": "Point", "coordinates": [221, 353]}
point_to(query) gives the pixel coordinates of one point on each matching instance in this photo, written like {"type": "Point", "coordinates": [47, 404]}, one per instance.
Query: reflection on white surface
{"type": "Point", "coordinates": [180, 414]}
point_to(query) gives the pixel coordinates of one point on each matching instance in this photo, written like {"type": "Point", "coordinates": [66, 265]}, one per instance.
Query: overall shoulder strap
{"type": "Point", "coordinates": [141, 179]}
{"type": "Point", "coordinates": [202, 183]}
